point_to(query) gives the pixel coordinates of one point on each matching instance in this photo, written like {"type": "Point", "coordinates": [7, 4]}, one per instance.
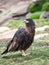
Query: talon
{"type": "Point", "coordinates": [24, 53]}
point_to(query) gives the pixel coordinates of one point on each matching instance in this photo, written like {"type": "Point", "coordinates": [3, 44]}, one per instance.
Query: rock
{"type": "Point", "coordinates": [16, 9]}
{"type": "Point", "coordinates": [28, 15]}
{"type": "Point", "coordinates": [0, 11]}
{"type": "Point", "coordinates": [42, 28]}
{"type": "Point", "coordinates": [9, 33]}
{"type": "Point", "coordinates": [36, 1]}
{"type": "Point", "coordinates": [6, 4]}
{"type": "Point", "coordinates": [40, 35]}
{"type": "Point", "coordinates": [6, 34]}
{"type": "Point", "coordinates": [3, 29]}
{"type": "Point", "coordinates": [44, 15]}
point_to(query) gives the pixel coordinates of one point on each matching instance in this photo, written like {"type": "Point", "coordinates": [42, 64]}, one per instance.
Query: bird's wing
{"type": "Point", "coordinates": [17, 39]}
{"type": "Point", "coordinates": [12, 46]}
{"type": "Point", "coordinates": [20, 35]}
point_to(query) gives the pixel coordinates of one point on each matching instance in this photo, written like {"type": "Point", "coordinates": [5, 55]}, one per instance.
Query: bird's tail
{"type": "Point", "coordinates": [4, 52]}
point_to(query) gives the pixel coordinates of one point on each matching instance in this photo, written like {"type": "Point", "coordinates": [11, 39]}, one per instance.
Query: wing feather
{"type": "Point", "coordinates": [17, 40]}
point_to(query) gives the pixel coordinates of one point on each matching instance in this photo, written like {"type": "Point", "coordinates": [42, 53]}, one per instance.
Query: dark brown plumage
{"type": "Point", "coordinates": [23, 38]}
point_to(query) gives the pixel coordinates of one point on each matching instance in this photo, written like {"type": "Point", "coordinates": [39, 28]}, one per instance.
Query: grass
{"type": "Point", "coordinates": [39, 56]}
{"type": "Point", "coordinates": [39, 49]}
{"type": "Point", "coordinates": [35, 15]}
{"type": "Point", "coordinates": [15, 24]}
{"type": "Point", "coordinates": [18, 23]}
{"type": "Point", "coordinates": [41, 22]}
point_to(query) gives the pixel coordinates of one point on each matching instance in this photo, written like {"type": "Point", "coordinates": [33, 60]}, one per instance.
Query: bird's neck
{"type": "Point", "coordinates": [30, 30]}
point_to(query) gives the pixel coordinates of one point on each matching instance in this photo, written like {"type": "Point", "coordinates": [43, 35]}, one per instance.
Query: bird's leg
{"type": "Point", "coordinates": [24, 53]}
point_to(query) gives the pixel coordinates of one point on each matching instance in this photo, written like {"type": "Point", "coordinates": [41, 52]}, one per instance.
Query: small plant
{"type": "Point", "coordinates": [35, 15]}
{"type": "Point", "coordinates": [15, 24]}
{"type": "Point", "coordinates": [34, 7]}
{"type": "Point", "coordinates": [45, 6]}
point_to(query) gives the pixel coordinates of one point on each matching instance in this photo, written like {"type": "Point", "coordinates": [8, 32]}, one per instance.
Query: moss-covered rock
{"type": "Point", "coordinates": [41, 5]}
{"type": "Point", "coordinates": [34, 8]}
{"type": "Point", "coordinates": [35, 15]}
{"type": "Point", "coordinates": [45, 6]}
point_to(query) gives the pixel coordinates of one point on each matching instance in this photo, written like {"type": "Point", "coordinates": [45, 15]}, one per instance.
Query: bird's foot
{"type": "Point", "coordinates": [24, 53]}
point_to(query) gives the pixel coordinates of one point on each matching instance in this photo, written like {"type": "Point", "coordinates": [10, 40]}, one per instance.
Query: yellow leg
{"type": "Point", "coordinates": [24, 53]}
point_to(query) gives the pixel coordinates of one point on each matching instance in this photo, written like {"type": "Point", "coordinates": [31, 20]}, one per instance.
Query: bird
{"type": "Point", "coordinates": [22, 38]}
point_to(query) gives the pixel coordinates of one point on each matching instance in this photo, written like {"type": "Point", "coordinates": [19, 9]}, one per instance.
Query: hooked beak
{"type": "Point", "coordinates": [26, 21]}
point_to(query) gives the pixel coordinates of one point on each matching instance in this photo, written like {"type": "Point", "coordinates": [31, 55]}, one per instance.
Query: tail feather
{"type": "Point", "coordinates": [4, 52]}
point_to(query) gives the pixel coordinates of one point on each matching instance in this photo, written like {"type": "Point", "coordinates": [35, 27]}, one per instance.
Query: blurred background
{"type": "Point", "coordinates": [12, 14]}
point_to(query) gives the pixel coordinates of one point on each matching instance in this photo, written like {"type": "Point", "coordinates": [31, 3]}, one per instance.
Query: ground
{"type": "Point", "coordinates": [39, 55]}
{"type": "Point", "coordinates": [39, 50]}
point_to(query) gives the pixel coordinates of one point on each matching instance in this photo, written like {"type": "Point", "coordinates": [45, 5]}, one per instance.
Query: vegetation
{"type": "Point", "coordinates": [38, 22]}
{"type": "Point", "coordinates": [39, 55]}
{"type": "Point", "coordinates": [39, 6]}
{"type": "Point", "coordinates": [35, 15]}
{"type": "Point", "coordinates": [34, 7]}
{"type": "Point", "coordinates": [41, 22]}
{"type": "Point", "coordinates": [15, 24]}
{"type": "Point", "coordinates": [39, 48]}
{"type": "Point", "coordinates": [45, 7]}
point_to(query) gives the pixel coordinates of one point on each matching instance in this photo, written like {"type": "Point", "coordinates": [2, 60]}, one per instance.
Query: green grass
{"type": "Point", "coordinates": [34, 15]}
{"type": "Point", "coordinates": [15, 24]}
{"type": "Point", "coordinates": [41, 22]}
{"type": "Point", "coordinates": [39, 56]}
{"type": "Point", "coordinates": [39, 49]}
{"type": "Point", "coordinates": [45, 7]}
{"type": "Point", "coordinates": [18, 23]}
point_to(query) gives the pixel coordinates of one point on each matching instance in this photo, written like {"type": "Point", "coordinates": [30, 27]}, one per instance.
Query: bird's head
{"type": "Point", "coordinates": [29, 22]}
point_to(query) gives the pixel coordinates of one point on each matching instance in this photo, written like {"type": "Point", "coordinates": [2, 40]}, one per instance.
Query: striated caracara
{"type": "Point", "coordinates": [23, 38]}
